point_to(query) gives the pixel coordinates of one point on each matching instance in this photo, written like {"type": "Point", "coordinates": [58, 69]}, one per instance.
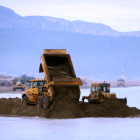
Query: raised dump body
{"type": "Point", "coordinates": [59, 73]}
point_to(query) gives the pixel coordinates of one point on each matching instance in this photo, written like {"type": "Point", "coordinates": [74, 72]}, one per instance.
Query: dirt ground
{"type": "Point", "coordinates": [63, 108]}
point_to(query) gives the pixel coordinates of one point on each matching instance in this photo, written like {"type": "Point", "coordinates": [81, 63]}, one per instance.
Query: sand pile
{"type": "Point", "coordinates": [109, 108]}
{"type": "Point", "coordinates": [63, 107]}
{"type": "Point", "coordinates": [12, 106]}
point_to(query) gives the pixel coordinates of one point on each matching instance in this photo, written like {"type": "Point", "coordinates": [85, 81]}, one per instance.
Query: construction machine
{"type": "Point", "coordinates": [60, 78]}
{"type": "Point", "coordinates": [18, 84]}
{"type": "Point", "coordinates": [36, 91]}
{"type": "Point", "coordinates": [100, 92]}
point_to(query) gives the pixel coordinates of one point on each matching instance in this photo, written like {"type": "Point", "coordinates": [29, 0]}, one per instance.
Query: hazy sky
{"type": "Point", "coordinates": [121, 15]}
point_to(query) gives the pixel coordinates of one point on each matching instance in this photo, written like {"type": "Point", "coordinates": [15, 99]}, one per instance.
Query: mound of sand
{"type": "Point", "coordinates": [62, 107]}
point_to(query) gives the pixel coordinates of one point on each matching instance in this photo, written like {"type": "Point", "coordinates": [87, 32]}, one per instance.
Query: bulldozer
{"type": "Point", "coordinates": [18, 84]}
{"type": "Point", "coordinates": [60, 78]}
{"type": "Point", "coordinates": [100, 92]}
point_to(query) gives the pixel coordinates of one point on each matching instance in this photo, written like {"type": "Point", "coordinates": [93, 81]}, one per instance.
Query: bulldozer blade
{"type": "Point", "coordinates": [121, 100]}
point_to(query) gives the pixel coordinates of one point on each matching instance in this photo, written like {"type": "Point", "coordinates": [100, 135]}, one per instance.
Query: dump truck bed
{"type": "Point", "coordinates": [59, 71]}
{"type": "Point", "coordinates": [66, 81]}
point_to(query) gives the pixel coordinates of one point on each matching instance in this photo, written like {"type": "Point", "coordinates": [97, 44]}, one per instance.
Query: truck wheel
{"type": "Point", "coordinates": [25, 101]}
{"type": "Point", "coordinates": [46, 102]}
{"type": "Point", "coordinates": [39, 101]}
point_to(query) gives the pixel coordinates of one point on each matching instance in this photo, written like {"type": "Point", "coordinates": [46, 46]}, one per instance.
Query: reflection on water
{"type": "Point", "coordinates": [71, 129]}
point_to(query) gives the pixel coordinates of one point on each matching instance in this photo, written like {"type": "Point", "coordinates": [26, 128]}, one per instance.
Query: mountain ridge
{"type": "Point", "coordinates": [9, 19]}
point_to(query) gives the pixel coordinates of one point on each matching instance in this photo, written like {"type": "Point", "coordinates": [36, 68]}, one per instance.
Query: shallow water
{"type": "Point", "coordinates": [22, 128]}
{"type": "Point", "coordinates": [11, 95]}
{"type": "Point", "coordinates": [71, 129]}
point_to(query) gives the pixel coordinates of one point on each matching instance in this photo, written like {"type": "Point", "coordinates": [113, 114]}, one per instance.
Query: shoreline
{"type": "Point", "coordinates": [10, 89]}
{"type": "Point", "coordinates": [3, 115]}
{"type": "Point", "coordinates": [4, 89]}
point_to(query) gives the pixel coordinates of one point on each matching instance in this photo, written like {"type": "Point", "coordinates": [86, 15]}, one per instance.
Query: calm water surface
{"type": "Point", "coordinates": [20, 128]}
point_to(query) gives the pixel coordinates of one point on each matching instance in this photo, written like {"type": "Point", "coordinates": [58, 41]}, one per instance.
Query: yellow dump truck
{"type": "Point", "coordinates": [36, 88]}
{"type": "Point", "coordinates": [100, 92]}
{"type": "Point", "coordinates": [18, 84]}
{"type": "Point", "coordinates": [60, 78]}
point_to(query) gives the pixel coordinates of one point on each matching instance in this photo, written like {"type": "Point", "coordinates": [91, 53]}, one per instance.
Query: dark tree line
{"type": "Point", "coordinates": [25, 78]}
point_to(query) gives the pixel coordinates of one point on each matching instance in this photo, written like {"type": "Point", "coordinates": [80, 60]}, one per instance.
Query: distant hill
{"type": "Point", "coordinates": [9, 19]}
{"type": "Point", "coordinates": [97, 58]}
{"type": "Point", "coordinates": [6, 78]}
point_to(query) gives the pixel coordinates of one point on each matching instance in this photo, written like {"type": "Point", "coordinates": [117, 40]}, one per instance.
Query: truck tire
{"type": "Point", "coordinates": [46, 102]}
{"type": "Point", "coordinates": [39, 101]}
{"type": "Point", "coordinates": [25, 101]}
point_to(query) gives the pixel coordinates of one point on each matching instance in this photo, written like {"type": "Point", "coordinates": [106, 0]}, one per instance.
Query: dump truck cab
{"type": "Point", "coordinates": [19, 82]}
{"type": "Point", "coordinates": [36, 88]}
{"type": "Point", "coordinates": [101, 91]}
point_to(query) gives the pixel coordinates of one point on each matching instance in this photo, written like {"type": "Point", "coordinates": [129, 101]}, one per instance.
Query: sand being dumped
{"type": "Point", "coordinates": [63, 107]}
